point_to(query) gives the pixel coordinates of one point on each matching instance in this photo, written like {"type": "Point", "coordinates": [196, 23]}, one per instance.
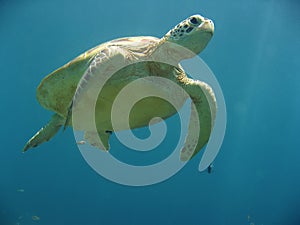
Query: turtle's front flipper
{"type": "Point", "coordinates": [202, 118]}
{"type": "Point", "coordinates": [46, 133]}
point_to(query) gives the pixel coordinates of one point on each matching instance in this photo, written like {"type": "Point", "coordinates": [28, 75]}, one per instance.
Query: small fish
{"type": "Point", "coordinates": [35, 218]}
{"type": "Point", "coordinates": [249, 218]}
{"type": "Point", "coordinates": [209, 168]}
{"type": "Point", "coordinates": [20, 190]}
{"type": "Point", "coordinates": [80, 142]}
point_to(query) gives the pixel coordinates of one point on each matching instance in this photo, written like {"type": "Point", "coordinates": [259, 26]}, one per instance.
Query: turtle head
{"type": "Point", "coordinates": [193, 33]}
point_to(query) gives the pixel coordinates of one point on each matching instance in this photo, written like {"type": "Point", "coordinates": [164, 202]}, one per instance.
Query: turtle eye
{"type": "Point", "coordinates": [194, 21]}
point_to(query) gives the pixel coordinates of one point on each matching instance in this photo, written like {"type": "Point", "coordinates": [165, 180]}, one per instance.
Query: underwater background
{"type": "Point", "coordinates": [255, 56]}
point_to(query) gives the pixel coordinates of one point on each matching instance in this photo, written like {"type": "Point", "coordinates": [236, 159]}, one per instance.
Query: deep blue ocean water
{"type": "Point", "coordinates": [255, 56]}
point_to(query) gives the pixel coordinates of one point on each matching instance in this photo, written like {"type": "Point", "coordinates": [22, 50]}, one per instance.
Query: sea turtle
{"type": "Point", "coordinates": [57, 91]}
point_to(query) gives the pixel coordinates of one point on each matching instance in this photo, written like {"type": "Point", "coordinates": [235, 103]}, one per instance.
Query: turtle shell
{"type": "Point", "coordinates": [55, 92]}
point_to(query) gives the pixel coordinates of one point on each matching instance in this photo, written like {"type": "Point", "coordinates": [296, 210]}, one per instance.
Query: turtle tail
{"type": "Point", "coordinates": [46, 133]}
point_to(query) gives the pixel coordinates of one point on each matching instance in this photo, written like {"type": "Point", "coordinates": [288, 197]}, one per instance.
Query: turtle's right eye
{"type": "Point", "coordinates": [193, 20]}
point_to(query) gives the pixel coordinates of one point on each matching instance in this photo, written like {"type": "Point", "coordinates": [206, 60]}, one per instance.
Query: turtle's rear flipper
{"type": "Point", "coordinates": [69, 115]}
{"type": "Point", "coordinates": [46, 133]}
{"type": "Point", "coordinates": [99, 140]}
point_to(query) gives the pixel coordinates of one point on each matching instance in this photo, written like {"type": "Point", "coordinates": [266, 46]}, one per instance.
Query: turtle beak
{"type": "Point", "coordinates": [207, 25]}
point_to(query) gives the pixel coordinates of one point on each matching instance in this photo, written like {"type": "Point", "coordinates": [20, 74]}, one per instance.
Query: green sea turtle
{"type": "Point", "coordinates": [57, 91]}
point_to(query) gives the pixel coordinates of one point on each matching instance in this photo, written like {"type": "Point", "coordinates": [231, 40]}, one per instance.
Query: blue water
{"type": "Point", "coordinates": [255, 56]}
